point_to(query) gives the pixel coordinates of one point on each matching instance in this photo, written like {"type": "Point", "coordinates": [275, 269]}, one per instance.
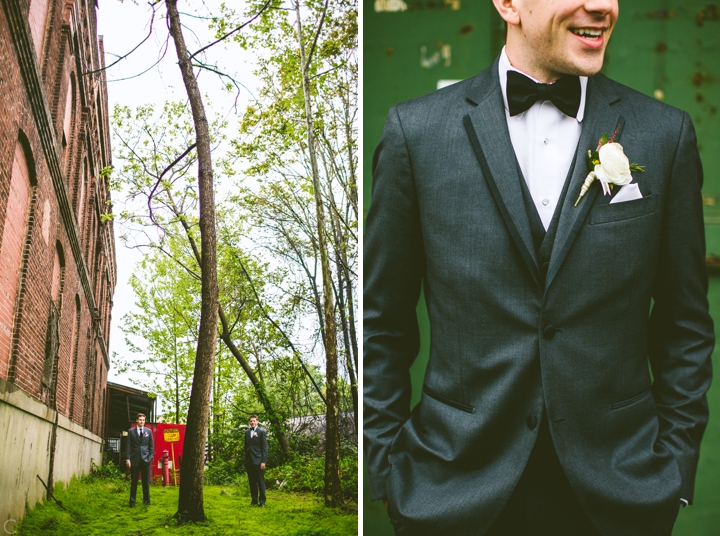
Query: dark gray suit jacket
{"type": "Point", "coordinates": [626, 284]}
{"type": "Point", "coordinates": [139, 448]}
{"type": "Point", "coordinates": [256, 447]}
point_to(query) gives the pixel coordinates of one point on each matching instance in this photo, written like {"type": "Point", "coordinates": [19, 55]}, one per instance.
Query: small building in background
{"type": "Point", "coordinates": [124, 403]}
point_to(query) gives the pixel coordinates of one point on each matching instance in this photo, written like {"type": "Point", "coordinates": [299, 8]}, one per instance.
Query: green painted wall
{"type": "Point", "coordinates": [666, 49]}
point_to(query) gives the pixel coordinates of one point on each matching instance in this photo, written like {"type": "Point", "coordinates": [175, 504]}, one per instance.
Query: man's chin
{"type": "Point", "coordinates": [587, 65]}
{"type": "Point", "coordinates": [582, 69]}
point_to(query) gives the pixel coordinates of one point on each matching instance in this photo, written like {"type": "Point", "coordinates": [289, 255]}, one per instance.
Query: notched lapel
{"type": "Point", "coordinates": [487, 128]}
{"type": "Point", "coordinates": [600, 119]}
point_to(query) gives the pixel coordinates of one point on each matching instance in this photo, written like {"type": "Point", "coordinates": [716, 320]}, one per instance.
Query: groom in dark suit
{"type": "Point", "coordinates": [553, 218]}
{"type": "Point", "coordinates": [256, 453]}
{"type": "Point", "coordinates": [139, 454]}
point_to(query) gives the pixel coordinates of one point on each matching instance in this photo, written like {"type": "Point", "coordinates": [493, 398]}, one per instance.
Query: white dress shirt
{"type": "Point", "coordinates": [545, 141]}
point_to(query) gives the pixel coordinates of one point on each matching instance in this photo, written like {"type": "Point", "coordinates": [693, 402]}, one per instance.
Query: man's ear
{"type": "Point", "coordinates": [508, 11]}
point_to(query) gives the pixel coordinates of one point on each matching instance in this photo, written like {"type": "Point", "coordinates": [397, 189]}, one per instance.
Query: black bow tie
{"type": "Point", "coordinates": [522, 93]}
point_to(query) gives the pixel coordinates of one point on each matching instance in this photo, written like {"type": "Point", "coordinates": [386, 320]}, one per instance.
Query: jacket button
{"type": "Point", "coordinates": [532, 422]}
{"type": "Point", "coordinates": [549, 332]}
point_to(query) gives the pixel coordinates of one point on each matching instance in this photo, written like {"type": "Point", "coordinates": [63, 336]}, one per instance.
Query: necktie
{"type": "Point", "coordinates": [522, 93]}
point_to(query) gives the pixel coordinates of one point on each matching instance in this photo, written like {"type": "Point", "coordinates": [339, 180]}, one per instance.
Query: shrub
{"type": "Point", "coordinates": [349, 476]}
{"type": "Point", "coordinates": [306, 472]}
{"type": "Point", "coordinates": [222, 473]}
{"type": "Point", "coordinates": [109, 471]}
{"type": "Point", "coordinates": [298, 473]}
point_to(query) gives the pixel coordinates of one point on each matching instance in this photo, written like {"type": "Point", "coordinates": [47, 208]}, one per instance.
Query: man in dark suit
{"type": "Point", "coordinates": [551, 282]}
{"type": "Point", "coordinates": [139, 454]}
{"type": "Point", "coordinates": [256, 451]}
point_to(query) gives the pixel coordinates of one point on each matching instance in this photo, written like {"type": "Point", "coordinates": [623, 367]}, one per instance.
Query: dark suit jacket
{"type": "Point", "coordinates": [140, 448]}
{"type": "Point", "coordinates": [626, 284]}
{"type": "Point", "coordinates": [256, 448]}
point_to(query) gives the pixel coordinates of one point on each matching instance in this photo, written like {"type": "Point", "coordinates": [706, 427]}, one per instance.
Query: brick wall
{"type": "Point", "coordinates": [53, 145]}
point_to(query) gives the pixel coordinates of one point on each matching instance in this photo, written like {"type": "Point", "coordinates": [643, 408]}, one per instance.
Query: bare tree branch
{"type": "Point", "coordinates": [120, 58]}
{"type": "Point", "coordinates": [263, 8]}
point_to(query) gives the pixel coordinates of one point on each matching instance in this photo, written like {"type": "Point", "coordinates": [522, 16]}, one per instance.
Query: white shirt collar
{"type": "Point", "coordinates": [504, 66]}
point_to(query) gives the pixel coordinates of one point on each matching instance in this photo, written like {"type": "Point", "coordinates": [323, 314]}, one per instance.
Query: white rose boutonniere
{"type": "Point", "coordinates": [609, 165]}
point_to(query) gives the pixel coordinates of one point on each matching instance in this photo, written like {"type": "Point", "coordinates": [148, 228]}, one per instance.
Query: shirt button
{"type": "Point", "coordinates": [545, 202]}
{"type": "Point", "coordinates": [546, 141]}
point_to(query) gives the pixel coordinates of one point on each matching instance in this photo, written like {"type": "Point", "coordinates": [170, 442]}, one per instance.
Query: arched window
{"type": "Point", "coordinates": [74, 353]}
{"type": "Point", "coordinates": [15, 235]}
{"type": "Point", "coordinates": [52, 338]}
{"type": "Point", "coordinates": [37, 18]}
{"type": "Point", "coordinates": [80, 196]}
{"type": "Point", "coordinates": [68, 122]}
{"type": "Point", "coordinates": [90, 375]}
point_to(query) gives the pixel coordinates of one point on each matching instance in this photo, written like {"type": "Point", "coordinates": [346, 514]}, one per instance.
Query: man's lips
{"type": "Point", "coordinates": [590, 37]}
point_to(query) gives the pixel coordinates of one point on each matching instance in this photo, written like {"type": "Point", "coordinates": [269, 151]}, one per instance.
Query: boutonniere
{"type": "Point", "coordinates": [609, 165]}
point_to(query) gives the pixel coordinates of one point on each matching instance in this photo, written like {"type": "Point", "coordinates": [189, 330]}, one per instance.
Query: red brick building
{"type": "Point", "coordinates": [57, 255]}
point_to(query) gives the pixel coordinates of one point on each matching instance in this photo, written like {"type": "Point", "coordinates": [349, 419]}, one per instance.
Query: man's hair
{"type": "Point", "coordinates": [253, 416]}
{"type": "Point", "coordinates": [140, 415]}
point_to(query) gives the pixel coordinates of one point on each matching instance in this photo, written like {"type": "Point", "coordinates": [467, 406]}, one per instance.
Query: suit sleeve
{"type": "Point", "coordinates": [152, 446]}
{"type": "Point", "coordinates": [127, 446]}
{"type": "Point", "coordinates": [263, 457]}
{"type": "Point", "coordinates": [680, 335]}
{"type": "Point", "coordinates": [393, 269]}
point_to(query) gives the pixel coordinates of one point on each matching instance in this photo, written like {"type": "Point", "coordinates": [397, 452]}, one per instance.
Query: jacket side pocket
{"type": "Point", "coordinates": [449, 401]}
{"type": "Point", "coordinates": [629, 401]}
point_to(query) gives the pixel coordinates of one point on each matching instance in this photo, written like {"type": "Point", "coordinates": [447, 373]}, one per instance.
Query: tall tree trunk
{"type": "Point", "coordinates": [352, 187]}
{"type": "Point", "coordinates": [344, 313]}
{"type": "Point", "coordinates": [190, 503]}
{"type": "Point", "coordinates": [333, 492]}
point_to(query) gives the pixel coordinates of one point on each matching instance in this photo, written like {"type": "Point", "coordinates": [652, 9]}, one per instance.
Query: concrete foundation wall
{"type": "Point", "coordinates": [25, 450]}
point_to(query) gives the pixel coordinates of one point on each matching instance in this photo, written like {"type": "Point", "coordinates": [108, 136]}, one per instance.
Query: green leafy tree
{"type": "Point", "coordinates": [300, 141]}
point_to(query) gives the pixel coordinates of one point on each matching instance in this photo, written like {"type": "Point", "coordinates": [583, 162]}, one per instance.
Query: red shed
{"type": "Point", "coordinates": [170, 437]}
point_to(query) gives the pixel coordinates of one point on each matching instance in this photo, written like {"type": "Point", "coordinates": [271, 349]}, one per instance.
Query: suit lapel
{"type": "Point", "coordinates": [599, 119]}
{"type": "Point", "coordinates": [486, 126]}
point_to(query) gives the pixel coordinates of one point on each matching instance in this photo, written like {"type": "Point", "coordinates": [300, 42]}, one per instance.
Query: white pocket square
{"type": "Point", "coordinates": [629, 192]}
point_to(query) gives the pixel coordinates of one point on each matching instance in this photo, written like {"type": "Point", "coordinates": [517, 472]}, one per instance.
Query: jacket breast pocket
{"type": "Point", "coordinates": [624, 211]}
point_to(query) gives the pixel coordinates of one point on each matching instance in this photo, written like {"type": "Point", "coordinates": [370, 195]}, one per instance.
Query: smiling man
{"type": "Point", "coordinates": [553, 218]}
{"type": "Point", "coordinates": [139, 454]}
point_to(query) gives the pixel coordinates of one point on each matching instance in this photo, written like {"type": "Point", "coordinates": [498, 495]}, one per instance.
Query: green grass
{"type": "Point", "coordinates": [101, 507]}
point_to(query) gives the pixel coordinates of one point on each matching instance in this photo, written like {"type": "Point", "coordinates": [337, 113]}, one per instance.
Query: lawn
{"type": "Point", "coordinates": [100, 506]}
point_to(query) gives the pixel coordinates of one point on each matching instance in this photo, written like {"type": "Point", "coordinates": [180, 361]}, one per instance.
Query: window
{"type": "Point", "coordinates": [52, 339]}
{"type": "Point", "coordinates": [37, 18]}
{"type": "Point", "coordinates": [18, 216]}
